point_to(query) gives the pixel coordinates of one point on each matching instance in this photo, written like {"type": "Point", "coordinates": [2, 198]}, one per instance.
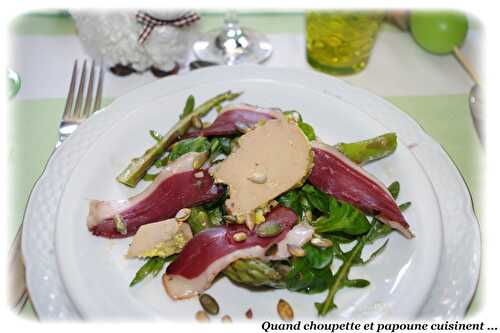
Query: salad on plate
{"type": "Point", "coordinates": [254, 196]}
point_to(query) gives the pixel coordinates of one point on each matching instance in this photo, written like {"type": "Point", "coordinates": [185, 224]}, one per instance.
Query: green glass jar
{"type": "Point", "coordinates": [340, 42]}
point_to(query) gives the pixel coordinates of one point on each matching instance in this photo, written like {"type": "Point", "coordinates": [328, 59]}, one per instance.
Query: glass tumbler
{"type": "Point", "coordinates": [340, 42]}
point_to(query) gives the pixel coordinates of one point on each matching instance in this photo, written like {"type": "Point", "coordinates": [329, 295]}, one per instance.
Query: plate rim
{"type": "Point", "coordinates": [253, 69]}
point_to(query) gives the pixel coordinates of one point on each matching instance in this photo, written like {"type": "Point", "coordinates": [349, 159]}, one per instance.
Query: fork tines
{"type": "Point", "coordinates": [77, 113]}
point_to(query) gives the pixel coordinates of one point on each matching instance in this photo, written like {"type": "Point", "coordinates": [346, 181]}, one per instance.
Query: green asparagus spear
{"type": "Point", "coordinates": [365, 151]}
{"type": "Point", "coordinates": [254, 273]}
{"type": "Point", "coordinates": [138, 166]}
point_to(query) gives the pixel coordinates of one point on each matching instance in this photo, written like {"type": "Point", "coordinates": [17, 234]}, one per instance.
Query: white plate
{"type": "Point", "coordinates": [96, 275]}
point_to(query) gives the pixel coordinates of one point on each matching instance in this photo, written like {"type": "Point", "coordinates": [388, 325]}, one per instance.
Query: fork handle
{"type": "Point", "coordinates": [16, 274]}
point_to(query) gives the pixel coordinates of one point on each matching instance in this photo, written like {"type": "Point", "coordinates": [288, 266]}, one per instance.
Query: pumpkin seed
{"type": "Point", "coordinates": [119, 224]}
{"type": "Point", "coordinates": [199, 175]}
{"type": "Point", "coordinates": [258, 178]}
{"type": "Point", "coordinates": [295, 250]}
{"type": "Point", "coordinates": [240, 237]}
{"type": "Point", "coordinates": [202, 316]}
{"type": "Point", "coordinates": [269, 229]}
{"type": "Point", "coordinates": [183, 215]}
{"type": "Point", "coordinates": [196, 122]}
{"type": "Point", "coordinates": [249, 314]}
{"type": "Point", "coordinates": [321, 242]}
{"type": "Point", "coordinates": [285, 310]}
{"type": "Point", "coordinates": [209, 304]}
{"type": "Point", "coordinates": [226, 319]}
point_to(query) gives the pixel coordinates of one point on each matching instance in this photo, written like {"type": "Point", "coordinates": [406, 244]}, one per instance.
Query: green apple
{"type": "Point", "coordinates": [438, 32]}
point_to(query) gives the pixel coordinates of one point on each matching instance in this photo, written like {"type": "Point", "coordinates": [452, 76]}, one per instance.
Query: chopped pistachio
{"type": "Point", "coordinates": [259, 216]}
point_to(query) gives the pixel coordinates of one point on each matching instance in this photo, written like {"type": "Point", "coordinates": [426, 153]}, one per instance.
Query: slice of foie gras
{"type": "Point", "coordinates": [161, 239]}
{"type": "Point", "coordinates": [270, 160]}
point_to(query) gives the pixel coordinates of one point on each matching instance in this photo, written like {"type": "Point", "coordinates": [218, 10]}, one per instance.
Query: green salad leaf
{"type": "Point", "coordinates": [215, 217]}
{"type": "Point", "coordinates": [219, 146]}
{"type": "Point", "coordinates": [404, 206]}
{"type": "Point", "coordinates": [292, 200]}
{"type": "Point", "coordinates": [318, 258]}
{"type": "Point", "coordinates": [202, 218]}
{"type": "Point", "coordinates": [198, 144]}
{"type": "Point", "coordinates": [394, 189]}
{"type": "Point", "coordinates": [308, 130]}
{"type": "Point", "coordinates": [318, 199]}
{"type": "Point", "coordinates": [155, 135]}
{"type": "Point", "coordinates": [305, 279]}
{"type": "Point", "coordinates": [378, 230]}
{"type": "Point", "coordinates": [341, 278]}
{"type": "Point", "coordinates": [188, 107]}
{"type": "Point", "coordinates": [357, 283]}
{"type": "Point", "coordinates": [152, 267]}
{"type": "Point", "coordinates": [342, 217]}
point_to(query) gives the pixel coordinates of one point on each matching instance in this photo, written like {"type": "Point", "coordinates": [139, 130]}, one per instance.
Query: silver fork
{"type": "Point", "coordinates": [71, 119]}
{"type": "Point", "coordinates": [74, 116]}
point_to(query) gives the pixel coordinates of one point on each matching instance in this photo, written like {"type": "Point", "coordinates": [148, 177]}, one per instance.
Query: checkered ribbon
{"type": "Point", "coordinates": [151, 22]}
